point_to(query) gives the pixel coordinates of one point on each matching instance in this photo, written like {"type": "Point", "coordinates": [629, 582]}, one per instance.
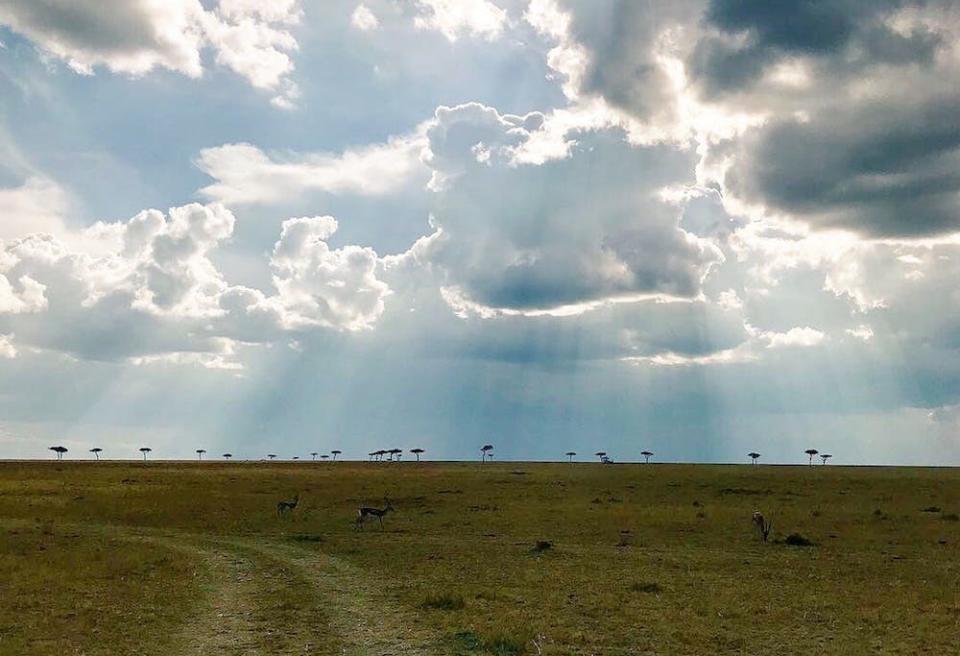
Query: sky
{"type": "Point", "coordinates": [699, 228]}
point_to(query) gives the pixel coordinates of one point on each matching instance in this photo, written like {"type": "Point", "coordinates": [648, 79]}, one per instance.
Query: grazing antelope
{"type": "Point", "coordinates": [284, 506]}
{"type": "Point", "coordinates": [364, 513]}
{"type": "Point", "coordinates": [763, 525]}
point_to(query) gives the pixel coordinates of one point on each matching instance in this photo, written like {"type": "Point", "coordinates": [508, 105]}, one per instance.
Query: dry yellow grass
{"type": "Point", "coordinates": [168, 558]}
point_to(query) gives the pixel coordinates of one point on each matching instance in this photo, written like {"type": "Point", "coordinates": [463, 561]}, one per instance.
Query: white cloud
{"type": "Point", "coordinates": [320, 286]}
{"type": "Point", "coordinates": [251, 38]}
{"type": "Point", "coordinates": [862, 332]}
{"type": "Point", "coordinates": [363, 19]}
{"type": "Point", "coordinates": [795, 337]}
{"type": "Point", "coordinates": [453, 18]}
{"type": "Point", "coordinates": [149, 291]}
{"type": "Point", "coordinates": [7, 349]}
{"type": "Point", "coordinates": [245, 174]}
{"type": "Point", "coordinates": [38, 205]}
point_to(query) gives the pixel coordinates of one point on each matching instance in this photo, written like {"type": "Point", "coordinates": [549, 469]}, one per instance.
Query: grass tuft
{"type": "Point", "coordinates": [444, 601]}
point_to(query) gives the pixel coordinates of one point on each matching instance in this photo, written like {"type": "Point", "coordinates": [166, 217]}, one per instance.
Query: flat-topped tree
{"type": "Point", "coordinates": [601, 455]}
{"type": "Point", "coordinates": [272, 456]}
{"type": "Point", "coordinates": [485, 452]}
{"type": "Point", "coordinates": [59, 450]}
{"type": "Point", "coordinates": [313, 455]}
{"type": "Point", "coordinates": [324, 456]}
{"type": "Point", "coordinates": [96, 451]}
{"type": "Point", "coordinates": [335, 453]}
{"type": "Point", "coordinates": [145, 450]}
{"type": "Point", "coordinates": [200, 453]}
{"type": "Point", "coordinates": [824, 457]}
{"type": "Point", "coordinates": [753, 456]}
{"type": "Point", "coordinates": [399, 453]}
{"type": "Point", "coordinates": [646, 456]}
{"type": "Point", "coordinates": [227, 456]}
{"type": "Point", "coordinates": [570, 455]}
{"type": "Point", "coordinates": [417, 451]}
{"type": "Point", "coordinates": [810, 453]}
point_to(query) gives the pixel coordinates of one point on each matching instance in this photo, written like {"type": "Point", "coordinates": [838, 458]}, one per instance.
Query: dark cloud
{"type": "Point", "coordinates": [878, 168]}
{"type": "Point", "coordinates": [746, 37]}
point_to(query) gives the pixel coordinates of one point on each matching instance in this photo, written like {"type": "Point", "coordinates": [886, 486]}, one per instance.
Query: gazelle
{"type": "Point", "coordinates": [285, 505]}
{"type": "Point", "coordinates": [365, 512]}
{"type": "Point", "coordinates": [763, 525]}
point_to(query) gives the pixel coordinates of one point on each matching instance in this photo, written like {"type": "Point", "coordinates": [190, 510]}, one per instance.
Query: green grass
{"type": "Point", "coordinates": [131, 558]}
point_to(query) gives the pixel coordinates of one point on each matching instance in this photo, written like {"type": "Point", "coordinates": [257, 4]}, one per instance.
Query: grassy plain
{"type": "Point", "coordinates": [178, 558]}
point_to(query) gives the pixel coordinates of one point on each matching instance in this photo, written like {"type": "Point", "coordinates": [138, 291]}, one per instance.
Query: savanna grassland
{"type": "Point", "coordinates": [176, 558]}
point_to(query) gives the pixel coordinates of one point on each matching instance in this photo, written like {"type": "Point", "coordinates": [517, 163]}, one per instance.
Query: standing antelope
{"type": "Point", "coordinates": [284, 506]}
{"type": "Point", "coordinates": [763, 525]}
{"type": "Point", "coordinates": [364, 513]}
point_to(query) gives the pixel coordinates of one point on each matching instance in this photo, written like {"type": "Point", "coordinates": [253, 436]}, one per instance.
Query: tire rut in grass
{"type": "Point", "coordinates": [253, 604]}
{"type": "Point", "coordinates": [365, 621]}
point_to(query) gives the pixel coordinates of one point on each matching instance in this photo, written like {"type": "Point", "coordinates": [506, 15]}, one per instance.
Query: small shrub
{"type": "Point", "coordinates": [950, 517]}
{"type": "Point", "coordinates": [797, 540]}
{"type": "Point", "coordinates": [932, 509]}
{"type": "Point", "coordinates": [542, 545]}
{"type": "Point", "coordinates": [445, 601]}
{"type": "Point", "coordinates": [467, 640]}
{"type": "Point", "coordinates": [306, 537]}
{"type": "Point", "coordinates": [504, 646]}
{"type": "Point", "coordinates": [649, 588]}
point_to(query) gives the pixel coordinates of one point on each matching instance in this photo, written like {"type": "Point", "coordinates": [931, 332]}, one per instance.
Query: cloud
{"type": "Point", "coordinates": [134, 38]}
{"type": "Point", "coordinates": [363, 19]}
{"type": "Point", "coordinates": [7, 349]}
{"type": "Point", "coordinates": [37, 205]}
{"type": "Point", "coordinates": [571, 231]}
{"type": "Point", "coordinates": [454, 18]}
{"type": "Point", "coordinates": [880, 168]}
{"type": "Point", "coordinates": [150, 292]}
{"type": "Point", "coordinates": [244, 174]}
{"type": "Point", "coordinates": [320, 286]}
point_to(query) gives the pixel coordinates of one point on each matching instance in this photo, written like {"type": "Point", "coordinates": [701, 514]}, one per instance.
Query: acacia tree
{"type": "Point", "coordinates": [59, 450]}
{"type": "Point", "coordinates": [200, 453]}
{"type": "Point", "coordinates": [145, 450]}
{"type": "Point", "coordinates": [753, 456]}
{"type": "Point", "coordinates": [313, 455]}
{"type": "Point", "coordinates": [417, 451]}
{"type": "Point", "coordinates": [570, 455]}
{"type": "Point", "coordinates": [96, 451]}
{"type": "Point", "coordinates": [810, 453]}
{"type": "Point", "coordinates": [324, 456]}
{"type": "Point", "coordinates": [271, 455]}
{"type": "Point", "coordinates": [824, 457]}
{"type": "Point", "coordinates": [227, 456]}
{"type": "Point", "coordinates": [398, 452]}
{"type": "Point", "coordinates": [601, 455]}
{"type": "Point", "coordinates": [485, 452]}
{"type": "Point", "coordinates": [335, 453]}
{"type": "Point", "coordinates": [646, 456]}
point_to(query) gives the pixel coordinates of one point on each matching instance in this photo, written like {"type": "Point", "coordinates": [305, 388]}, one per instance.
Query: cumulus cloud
{"type": "Point", "coordinates": [253, 39]}
{"type": "Point", "coordinates": [571, 231]}
{"type": "Point", "coordinates": [150, 292]}
{"type": "Point", "coordinates": [317, 285]}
